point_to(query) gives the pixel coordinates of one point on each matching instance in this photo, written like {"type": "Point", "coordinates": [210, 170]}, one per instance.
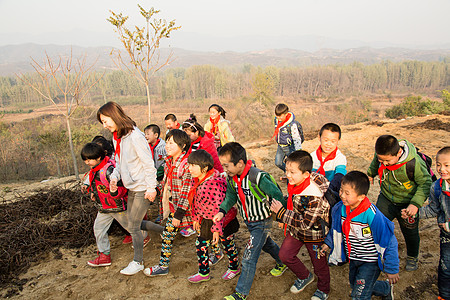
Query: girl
{"type": "Point", "coordinates": [207, 193]}
{"type": "Point", "coordinates": [218, 126]}
{"type": "Point", "coordinates": [134, 166]}
{"type": "Point", "coordinates": [176, 184]}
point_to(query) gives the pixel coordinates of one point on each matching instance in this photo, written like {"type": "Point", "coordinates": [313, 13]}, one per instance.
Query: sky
{"type": "Point", "coordinates": [205, 22]}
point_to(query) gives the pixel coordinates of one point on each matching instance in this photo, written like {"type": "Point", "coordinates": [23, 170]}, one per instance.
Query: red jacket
{"type": "Point", "coordinates": [207, 144]}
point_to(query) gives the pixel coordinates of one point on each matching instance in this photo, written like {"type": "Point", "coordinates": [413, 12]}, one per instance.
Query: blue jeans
{"type": "Point", "coordinates": [444, 266]}
{"type": "Point", "coordinates": [363, 280]}
{"type": "Point", "coordinates": [259, 240]}
{"type": "Point", "coordinates": [282, 153]}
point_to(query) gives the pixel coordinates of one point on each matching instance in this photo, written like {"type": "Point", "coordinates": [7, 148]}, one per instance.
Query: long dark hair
{"type": "Point", "coordinates": [113, 110]}
{"type": "Point", "coordinates": [192, 125]}
{"type": "Point", "coordinates": [219, 109]}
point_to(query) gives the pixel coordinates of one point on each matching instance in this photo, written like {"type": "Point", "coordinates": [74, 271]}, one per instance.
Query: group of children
{"type": "Point", "coordinates": [203, 187]}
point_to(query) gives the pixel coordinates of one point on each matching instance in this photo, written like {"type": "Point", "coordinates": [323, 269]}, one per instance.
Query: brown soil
{"type": "Point", "coordinates": [67, 275]}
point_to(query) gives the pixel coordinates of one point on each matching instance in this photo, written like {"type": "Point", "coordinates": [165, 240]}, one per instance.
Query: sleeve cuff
{"type": "Point", "coordinates": [280, 214]}
{"type": "Point", "coordinates": [179, 214]}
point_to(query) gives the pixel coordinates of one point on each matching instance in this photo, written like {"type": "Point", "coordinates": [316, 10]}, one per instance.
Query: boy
{"type": "Point", "coordinates": [158, 148]}
{"type": "Point", "coordinates": [362, 234]}
{"type": "Point", "coordinates": [439, 205]}
{"type": "Point", "coordinates": [307, 209]}
{"type": "Point", "coordinates": [400, 189]}
{"type": "Point", "coordinates": [288, 133]}
{"type": "Point", "coordinates": [253, 202]}
{"type": "Point", "coordinates": [171, 122]}
{"type": "Point", "coordinates": [328, 160]}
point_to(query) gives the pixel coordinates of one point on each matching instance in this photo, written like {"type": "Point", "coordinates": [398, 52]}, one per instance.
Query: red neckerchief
{"type": "Point", "coordinates": [362, 207]}
{"type": "Point", "coordinates": [239, 185]}
{"type": "Point", "coordinates": [178, 127]}
{"type": "Point", "coordinates": [117, 150]}
{"type": "Point", "coordinates": [152, 148]}
{"type": "Point", "coordinates": [330, 156]}
{"type": "Point", "coordinates": [214, 123]}
{"type": "Point", "coordinates": [280, 124]}
{"type": "Point", "coordinates": [445, 192]}
{"type": "Point", "coordinates": [295, 190]}
{"type": "Point", "coordinates": [95, 169]}
{"type": "Point", "coordinates": [197, 182]}
{"type": "Point", "coordinates": [192, 144]}
{"type": "Point", "coordinates": [390, 168]}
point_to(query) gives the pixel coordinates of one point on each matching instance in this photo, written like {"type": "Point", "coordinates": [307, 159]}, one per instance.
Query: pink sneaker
{"type": "Point", "coordinates": [197, 278]}
{"type": "Point", "coordinates": [187, 231]}
{"type": "Point", "coordinates": [127, 240]}
{"type": "Point", "coordinates": [230, 274]}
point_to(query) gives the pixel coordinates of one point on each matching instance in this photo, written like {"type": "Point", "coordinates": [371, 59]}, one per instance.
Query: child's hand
{"type": "Point", "coordinates": [404, 214]}
{"type": "Point", "coordinates": [411, 210]}
{"type": "Point", "coordinates": [445, 226]}
{"type": "Point", "coordinates": [150, 196]}
{"type": "Point", "coordinates": [218, 217]}
{"type": "Point", "coordinates": [392, 278]}
{"type": "Point", "coordinates": [275, 206]}
{"type": "Point", "coordinates": [92, 197]}
{"type": "Point", "coordinates": [113, 186]}
{"type": "Point", "coordinates": [324, 249]}
{"type": "Point", "coordinates": [215, 238]}
{"type": "Point", "coordinates": [370, 179]}
{"type": "Point", "coordinates": [176, 222]}
{"type": "Point", "coordinates": [196, 226]}
{"type": "Point", "coordinates": [84, 188]}
{"type": "Point", "coordinates": [281, 225]}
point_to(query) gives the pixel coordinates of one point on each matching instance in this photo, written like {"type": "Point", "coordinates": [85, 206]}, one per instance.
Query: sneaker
{"type": "Point", "coordinates": [156, 271]}
{"type": "Point", "coordinates": [132, 268]}
{"type": "Point", "coordinates": [390, 296]}
{"type": "Point", "coordinates": [146, 241]}
{"type": "Point", "coordinates": [127, 239]}
{"type": "Point", "coordinates": [235, 296]}
{"type": "Point", "coordinates": [230, 274]}
{"type": "Point", "coordinates": [300, 284]}
{"type": "Point", "coordinates": [197, 278]}
{"type": "Point", "coordinates": [319, 295]}
{"type": "Point", "coordinates": [101, 261]}
{"type": "Point", "coordinates": [187, 231]}
{"type": "Point", "coordinates": [411, 263]}
{"type": "Point", "coordinates": [215, 258]}
{"type": "Point", "coordinates": [278, 270]}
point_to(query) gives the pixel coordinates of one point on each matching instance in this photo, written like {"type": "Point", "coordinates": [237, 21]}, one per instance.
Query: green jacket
{"type": "Point", "coordinates": [396, 185]}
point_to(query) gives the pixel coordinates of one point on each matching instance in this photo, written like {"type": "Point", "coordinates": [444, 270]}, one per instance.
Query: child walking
{"type": "Point", "coordinates": [176, 184]}
{"type": "Point", "coordinates": [252, 190]}
{"type": "Point", "coordinates": [305, 217]}
{"type": "Point", "coordinates": [362, 234]}
{"type": "Point", "coordinates": [207, 193]}
{"type": "Point", "coordinates": [219, 126]}
{"type": "Point", "coordinates": [135, 167]}
{"type": "Point", "coordinates": [400, 189]}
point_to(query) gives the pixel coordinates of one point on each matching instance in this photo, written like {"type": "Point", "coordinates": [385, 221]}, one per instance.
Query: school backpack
{"type": "Point", "coordinates": [410, 166]}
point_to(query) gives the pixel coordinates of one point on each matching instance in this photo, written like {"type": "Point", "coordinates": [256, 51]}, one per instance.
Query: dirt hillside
{"type": "Point", "coordinates": [68, 276]}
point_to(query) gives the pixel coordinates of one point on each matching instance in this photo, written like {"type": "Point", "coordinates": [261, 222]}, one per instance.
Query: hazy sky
{"type": "Point", "coordinates": [413, 22]}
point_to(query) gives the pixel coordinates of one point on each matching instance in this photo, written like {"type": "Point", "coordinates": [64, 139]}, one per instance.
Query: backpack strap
{"type": "Point", "coordinates": [410, 167]}
{"type": "Point", "coordinates": [437, 188]}
{"type": "Point", "coordinates": [102, 174]}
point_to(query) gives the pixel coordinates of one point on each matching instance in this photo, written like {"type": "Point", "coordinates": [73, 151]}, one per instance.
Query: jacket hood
{"type": "Point", "coordinates": [409, 151]}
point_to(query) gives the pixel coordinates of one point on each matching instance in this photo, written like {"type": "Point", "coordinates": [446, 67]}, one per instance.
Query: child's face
{"type": "Point", "coordinates": [443, 166]}
{"type": "Point", "coordinates": [92, 162]}
{"type": "Point", "coordinates": [196, 171]}
{"type": "Point", "coordinates": [192, 135]}
{"type": "Point", "coordinates": [328, 141]}
{"type": "Point", "coordinates": [213, 113]}
{"type": "Point", "coordinates": [349, 197]}
{"type": "Point", "coordinates": [170, 124]}
{"type": "Point", "coordinates": [293, 173]}
{"type": "Point", "coordinates": [150, 136]}
{"type": "Point", "coordinates": [231, 168]}
{"type": "Point", "coordinates": [389, 160]}
{"type": "Point", "coordinates": [108, 123]}
{"type": "Point", "coordinates": [172, 148]}
{"type": "Point", "coordinates": [282, 117]}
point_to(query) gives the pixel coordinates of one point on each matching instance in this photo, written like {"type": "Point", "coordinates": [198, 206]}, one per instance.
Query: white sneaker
{"type": "Point", "coordinates": [132, 268]}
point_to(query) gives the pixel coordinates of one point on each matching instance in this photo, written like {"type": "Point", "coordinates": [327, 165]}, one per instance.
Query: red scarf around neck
{"type": "Point", "coordinates": [295, 190]}
{"type": "Point", "coordinates": [152, 148]}
{"type": "Point", "coordinates": [117, 150]}
{"type": "Point", "coordinates": [280, 124]}
{"type": "Point", "coordinates": [239, 185]}
{"type": "Point", "coordinates": [362, 207]}
{"type": "Point", "coordinates": [214, 123]}
{"type": "Point", "coordinates": [390, 168]}
{"type": "Point", "coordinates": [192, 144]}
{"type": "Point", "coordinates": [95, 169]}
{"type": "Point", "coordinates": [445, 192]}
{"type": "Point", "coordinates": [197, 183]}
{"type": "Point", "coordinates": [330, 156]}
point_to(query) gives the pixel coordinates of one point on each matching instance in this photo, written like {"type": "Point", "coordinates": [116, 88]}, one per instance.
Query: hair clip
{"type": "Point", "coordinates": [190, 124]}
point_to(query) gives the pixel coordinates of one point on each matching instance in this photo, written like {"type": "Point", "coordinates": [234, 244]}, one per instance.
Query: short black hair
{"type": "Point", "coordinates": [331, 127]}
{"type": "Point", "coordinates": [236, 152]}
{"type": "Point", "coordinates": [445, 150]}
{"type": "Point", "coordinates": [387, 145]}
{"type": "Point", "coordinates": [280, 109]}
{"type": "Point", "coordinates": [303, 158]}
{"type": "Point", "coordinates": [170, 117]}
{"type": "Point", "coordinates": [92, 151]}
{"type": "Point", "coordinates": [219, 109]}
{"type": "Point", "coordinates": [180, 138]}
{"type": "Point", "coordinates": [104, 143]}
{"type": "Point", "coordinates": [154, 128]}
{"type": "Point", "coordinates": [201, 158]}
{"type": "Point", "coordinates": [192, 125]}
{"type": "Point", "coordinates": [358, 181]}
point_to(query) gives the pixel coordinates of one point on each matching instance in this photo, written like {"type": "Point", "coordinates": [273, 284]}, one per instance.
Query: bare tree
{"type": "Point", "coordinates": [63, 81]}
{"type": "Point", "coordinates": [142, 45]}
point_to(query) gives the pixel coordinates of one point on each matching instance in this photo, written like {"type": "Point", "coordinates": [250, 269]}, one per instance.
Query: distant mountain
{"type": "Point", "coordinates": [17, 58]}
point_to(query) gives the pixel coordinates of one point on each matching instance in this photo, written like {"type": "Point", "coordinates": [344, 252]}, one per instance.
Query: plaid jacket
{"type": "Point", "coordinates": [306, 221]}
{"type": "Point", "coordinates": [181, 181]}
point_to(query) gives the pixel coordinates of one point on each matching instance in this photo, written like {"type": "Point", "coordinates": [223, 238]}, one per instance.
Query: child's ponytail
{"type": "Point", "coordinates": [192, 125]}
